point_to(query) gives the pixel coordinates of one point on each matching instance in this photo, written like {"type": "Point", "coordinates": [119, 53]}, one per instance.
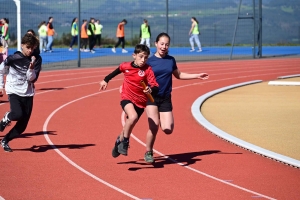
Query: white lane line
{"type": "Point", "coordinates": [1, 198]}
{"type": "Point", "coordinates": [227, 182]}
{"type": "Point", "coordinates": [72, 162]}
{"type": "Point", "coordinates": [108, 184]}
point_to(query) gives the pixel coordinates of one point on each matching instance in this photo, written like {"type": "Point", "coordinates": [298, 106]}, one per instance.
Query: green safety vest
{"type": "Point", "coordinates": [145, 31]}
{"type": "Point", "coordinates": [195, 30]}
{"type": "Point", "coordinates": [7, 34]}
{"type": "Point", "coordinates": [98, 29]}
{"type": "Point", "coordinates": [93, 28]}
{"type": "Point", "coordinates": [43, 31]}
{"type": "Point", "coordinates": [74, 31]}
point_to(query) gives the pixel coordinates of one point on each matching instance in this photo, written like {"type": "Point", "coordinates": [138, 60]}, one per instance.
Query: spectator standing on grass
{"type": "Point", "coordinates": [74, 33]}
{"type": "Point", "coordinates": [194, 35]}
{"type": "Point", "coordinates": [84, 36]}
{"type": "Point", "coordinates": [98, 31]}
{"type": "Point", "coordinates": [50, 33]}
{"type": "Point", "coordinates": [145, 33]}
{"type": "Point", "coordinates": [121, 36]}
{"type": "Point", "coordinates": [42, 36]}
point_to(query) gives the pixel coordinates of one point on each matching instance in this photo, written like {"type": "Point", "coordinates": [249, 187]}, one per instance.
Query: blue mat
{"type": "Point", "coordinates": [63, 54]}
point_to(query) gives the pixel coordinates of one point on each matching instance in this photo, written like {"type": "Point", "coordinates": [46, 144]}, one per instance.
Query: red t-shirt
{"type": "Point", "coordinates": [132, 89]}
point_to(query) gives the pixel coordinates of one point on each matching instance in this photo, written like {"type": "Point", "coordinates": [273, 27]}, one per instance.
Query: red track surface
{"type": "Point", "coordinates": [73, 160]}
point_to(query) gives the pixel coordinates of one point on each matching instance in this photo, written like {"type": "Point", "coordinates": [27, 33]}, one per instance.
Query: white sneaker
{"type": "Point", "coordinates": [113, 50]}
{"type": "Point", "coordinates": [92, 51]}
{"type": "Point", "coordinates": [70, 49]}
{"type": "Point", "coordinates": [192, 50]}
{"type": "Point", "coordinates": [200, 50]}
{"type": "Point", "coordinates": [124, 51]}
{"type": "Point", "coordinates": [86, 50]}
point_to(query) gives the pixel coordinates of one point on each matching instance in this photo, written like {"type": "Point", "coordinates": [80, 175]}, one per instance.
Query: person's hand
{"type": "Point", "coordinates": [203, 76]}
{"type": "Point", "coordinates": [103, 85]}
{"type": "Point", "coordinates": [147, 90]}
{"type": "Point", "coordinates": [31, 65]}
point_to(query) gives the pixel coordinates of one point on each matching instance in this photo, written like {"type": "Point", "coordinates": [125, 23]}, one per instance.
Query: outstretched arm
{"type": "Point", "coordinates": [103, 84]}
{"type": "Point", "coordinates": [186, 76]}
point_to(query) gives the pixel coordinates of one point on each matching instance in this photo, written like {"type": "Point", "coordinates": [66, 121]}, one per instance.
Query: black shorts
{"type": "Point", "coordinates": [137, 109]}
{"type": "Point", "coordinates": [164, 104]}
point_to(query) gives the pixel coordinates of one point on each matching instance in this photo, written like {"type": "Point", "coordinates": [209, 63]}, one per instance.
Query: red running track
{"type": "Point", "coordinates": [65, 153]}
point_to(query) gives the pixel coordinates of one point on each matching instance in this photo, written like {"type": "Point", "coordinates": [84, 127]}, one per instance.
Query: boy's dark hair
{"type": "Point", "coordinates": [30, 40]}
{"type": "Point", "coordinates": [31, 31]}
{"type": "Point", "coordinates": [124, 20]}
{"type": "Point", "coordinates": [141, 48]}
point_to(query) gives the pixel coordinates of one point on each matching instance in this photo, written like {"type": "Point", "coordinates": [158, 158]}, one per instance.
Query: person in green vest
{"type": "Point", "coordinates": [194, 35]}
{"type": "Point", "coordinates": [91, 34]}
{"type": "Point", "coordinates": [42, 36]}
{"type": "Point", "coordinates": [5, 29]}
{"type": "Point", "coordinates": [5, 34]}
{"type": "Point", "coordinates": [74, 33]}
{"type": "Point", "coordinates": [145, 33]}
{"type": "Point", "coordinates": [98, 31]}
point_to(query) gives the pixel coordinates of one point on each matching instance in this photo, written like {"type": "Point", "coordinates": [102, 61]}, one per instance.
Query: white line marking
{"type": "Point", "coordinates": [69, 160]}
{"type": "Point", "coordinates": [195, 170]}
{"type": "Point", "coordinates": [287, 83]}
{"type": "Point", "coordinates": [1, 198]}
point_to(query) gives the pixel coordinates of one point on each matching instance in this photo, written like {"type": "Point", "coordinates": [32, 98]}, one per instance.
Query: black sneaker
{"type": "Point", "coordinates": [123, 148]}
{"type": "Point", "coordinates": [4, 122]}
{"type": "Point", "coordinates": [115, 152]}
{"type": "Point", "coordinates": [5, 146]}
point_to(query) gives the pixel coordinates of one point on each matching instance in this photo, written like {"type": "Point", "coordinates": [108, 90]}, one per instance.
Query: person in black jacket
{"type": "Point", "coordinates": [23, 70]}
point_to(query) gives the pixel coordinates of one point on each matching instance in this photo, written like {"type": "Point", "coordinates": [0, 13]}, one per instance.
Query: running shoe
{"type": "Point", "coordinates": [123, 148]}
{"type": "Point", "coordinates": [4, 122]}
{"type": "Point", "coordinates": [5, 146]}
{"type": "Point", "coordinates": [124, 51]}
{"type": "Point", "coordinates": [115, 152]}
{"type": "Point", "coordinates": [149, 157]}
{"type": "Point", "coordinates": [192, 50]}
{"type": "Point", "coordinates": [113, 50]}
{"type": "Point", "coordinates": [200, 50]}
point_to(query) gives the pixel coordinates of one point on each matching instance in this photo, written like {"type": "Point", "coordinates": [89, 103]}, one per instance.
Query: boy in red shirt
{"type": "Point", "coordinates": [133, 95]}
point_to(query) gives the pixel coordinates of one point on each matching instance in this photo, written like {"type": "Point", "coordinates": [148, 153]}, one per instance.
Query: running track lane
{"type": "Point", "coordinates": [82, 124]}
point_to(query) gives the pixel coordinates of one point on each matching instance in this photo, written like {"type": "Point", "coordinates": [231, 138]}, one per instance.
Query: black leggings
{"type": "Point", "coordinates": [98, 40]}
{"type": "Point", "coordinates": [120, 40]}
{"type": "Point", "coordinates": [91, 41]}
{"type": "Point", "coordinates": [20, 111]}
{"type": "Point", "coordinates": [84, 42]}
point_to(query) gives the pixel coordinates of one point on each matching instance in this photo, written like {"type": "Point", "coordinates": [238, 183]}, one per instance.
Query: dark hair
{"type": "Point", "coordinates": [50, 18]}
{"type": "Point", "coordinates": [6, 20]}
{"type": "Point", "coordinates": [141, 48]}
{"type": "Point", "coordinates": [43, 22]}
{"type": "Point", "coordinates": [73, 21]}
{"type": "Point", "coordinates": [31, 31]}
{"type": "Point", "coordinates": [124, 20]}
{"type": "Point", "coordinates": [30, 40]}
{"type": "Point", "coordinates": [162, 35]}
{"type": "Point", "coordinates": [84, 20]}
{"type": "Point", "coordinates": [92, 19]}
{"type": "Point", "coordinates": [146, 22]}
{"type": "Point", "coordinates": [194, 18]}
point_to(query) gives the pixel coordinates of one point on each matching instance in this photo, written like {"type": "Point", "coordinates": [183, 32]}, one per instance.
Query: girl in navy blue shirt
{"type": "Point", "coordinates": [160, 111]}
